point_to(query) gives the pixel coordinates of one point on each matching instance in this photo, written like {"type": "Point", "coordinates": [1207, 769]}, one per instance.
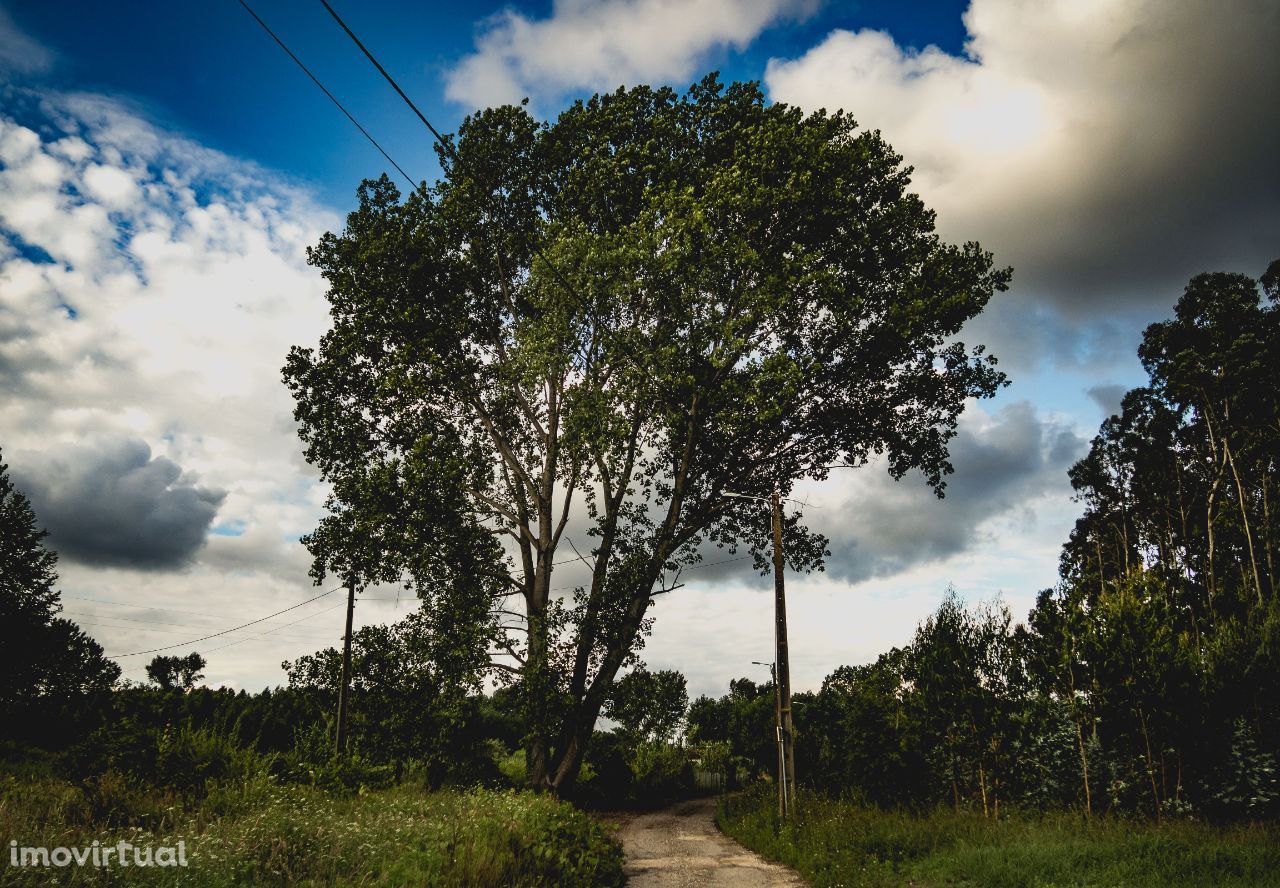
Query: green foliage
{"type": "Point", "coordinates": [743, 718]}
{"type": "Point", "coordinates": [663, 771]}
{"type": "Point", "coordinates": [405, 702]}
{"type": "Point", "coordinates": [1248, 781]}
{"type": "Point", "coordinates": [1148, 681]}
{"type": "Point", "coordinates": [649, 705]}
{"type": "Point", "coordinates": [856, 735]}
{"type": "Point", "coordinates": [833, 842]}
{"type": "Point", "coordinates": [188, 760]}
{"type": "Point", "coordinates": [622, 772]}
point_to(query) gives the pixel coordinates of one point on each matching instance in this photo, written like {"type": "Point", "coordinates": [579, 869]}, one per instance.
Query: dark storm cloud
{"type": "Point", "coordinates": [1107, 397]}
{"type": "Point", "coordinates": [1001, 463]}
{"type": "Point", "coordinates": [110, 503]}
{"type": "Point", "coordinates": [1107, 153]}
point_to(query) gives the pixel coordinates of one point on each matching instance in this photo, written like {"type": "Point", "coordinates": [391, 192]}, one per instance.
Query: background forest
{"type": "Point", "coordinates": [1148, 680]}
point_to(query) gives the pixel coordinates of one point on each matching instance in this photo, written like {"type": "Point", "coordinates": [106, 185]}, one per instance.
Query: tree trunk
{"type": "Point", "coordinates": [1267, 542]}
{"type": "Point", "coordinates": [1151, 770]}
{"type": "Point", "coordinates": [982, 787]}
{"type": "Point", "coordinates": [1084, 769]}
{"type": "Point", "coordinates": [1244, 517]}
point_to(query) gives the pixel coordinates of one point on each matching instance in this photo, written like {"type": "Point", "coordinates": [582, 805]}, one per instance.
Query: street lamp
{"type": "Point", "coordinates": [782, 671]}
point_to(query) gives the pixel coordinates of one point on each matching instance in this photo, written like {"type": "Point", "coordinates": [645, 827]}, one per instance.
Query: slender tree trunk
{"type": "Point", "coordinates": [1177, 790]}
{"type": "Point", "coordinates": [1102, 573]}
{"type": "Point", "coordinates": [1267, 542]}
{"type": "Point", "coordinates": [1213, 492]}
{"type": "Point", "coordinates": [537, 676]}
{"type": "Point", "coordinates": [1151, 771]}
{"type": "Point", "coordinates": [537, 752]}
{"type": "Point", "coordinates": [982, 787]}
{"type": "Point", "coordinates": [1244, 517]}
{"type": "Point", "coordinates": [1084, 768]}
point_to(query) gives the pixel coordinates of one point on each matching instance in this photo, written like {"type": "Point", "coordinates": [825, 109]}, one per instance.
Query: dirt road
{"type": "Point", "coordinates": [681, 846]}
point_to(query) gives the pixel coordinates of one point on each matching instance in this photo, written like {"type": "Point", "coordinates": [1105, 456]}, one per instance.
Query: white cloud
{"type": "Point", "coordinates": [1106, 149]}
{"type": "Point", "coordinates": [602, 44]}
{"type": "Point", "coordinates": [18, 52]}
{"type": "Point", "coordinates": [150, 289]}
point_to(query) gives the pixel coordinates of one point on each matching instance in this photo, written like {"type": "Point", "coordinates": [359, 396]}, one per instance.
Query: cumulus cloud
{"type": "Point", "coordinates": [1107, 149]}
{"type": "Point", "coordinates": [602, 44]}
{"type": "Point", "coordinates": [110, 503]}
{"type": "Point", "coordinates": [150, 289]}
{"type": "Point", "coordinates": [1003, 462]}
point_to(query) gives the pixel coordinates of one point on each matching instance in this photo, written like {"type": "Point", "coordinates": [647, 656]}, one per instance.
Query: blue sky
{"type": "Point", "coordinates": [163, 167]}
{"type": "Point", "coordinates": [209, 71]}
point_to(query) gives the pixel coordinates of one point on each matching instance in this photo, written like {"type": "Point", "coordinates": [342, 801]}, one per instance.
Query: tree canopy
{"type": "Point", "coordinates": [176, 673]}
{"type": "Point", "coordinates": [595, 327]}
{"type": "Point", "coordinates": [649, 705]}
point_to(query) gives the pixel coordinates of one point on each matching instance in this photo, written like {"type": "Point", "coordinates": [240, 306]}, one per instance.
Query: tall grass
{"type": "Point", "coordinates": [259, 832]}
{"type": "Point", "coordinates": [834, 842]}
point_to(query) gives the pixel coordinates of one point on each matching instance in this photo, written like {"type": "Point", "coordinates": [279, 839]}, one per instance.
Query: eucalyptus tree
{"type": "Point", "coordinates": [595, 327]}
{"type": "Point", "coordinates": [1215, 362]}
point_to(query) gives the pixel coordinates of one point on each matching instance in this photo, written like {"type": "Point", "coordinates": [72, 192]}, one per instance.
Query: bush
{"type": "Point", "coordinates": [663, 772]}
{"type": "Point", "coordinates": [619, 772]}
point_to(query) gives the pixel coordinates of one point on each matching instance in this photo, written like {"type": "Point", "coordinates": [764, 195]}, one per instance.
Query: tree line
{"type": "Point", "coordinates": [1148, 680]}
{"type": "Point", "coordinates": [413, 714]}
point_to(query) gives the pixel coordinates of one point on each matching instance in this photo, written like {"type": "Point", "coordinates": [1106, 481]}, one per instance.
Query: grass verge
{"type": "Point", "coordinates": [261, 833]}
{"type": "Point", "coordinates": [841, 843]}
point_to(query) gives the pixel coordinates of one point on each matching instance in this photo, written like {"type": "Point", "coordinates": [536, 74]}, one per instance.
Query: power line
{"type": "Point", "coordinates": [142, 607]}
{"type": "Point", "coordinates": [94, 615]}
{"type": "Point", "coordinates": [148, 607]}
{"type": "Point", "coordinates": [97, 620]}
{"type": "Point", "coordinates": [331, 96]}
{"type": "Point", "coordinates": [227, 631]}
{"type": "Point", "coordinates": [440, 140]}
{"type": "Point", "coordinates": [277, 629]}
{"type": "Point", "coordinates": [383, 71]}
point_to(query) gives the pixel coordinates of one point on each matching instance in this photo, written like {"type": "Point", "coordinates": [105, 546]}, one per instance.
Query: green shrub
{"type": "Point", "coordinates": [663, 772]}
{"type": "Point", "coordinates": [619, 772]}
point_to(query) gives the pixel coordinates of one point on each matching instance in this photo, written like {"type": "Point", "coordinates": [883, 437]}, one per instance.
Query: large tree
{"type": "Point", "coordinates": [612, 319]}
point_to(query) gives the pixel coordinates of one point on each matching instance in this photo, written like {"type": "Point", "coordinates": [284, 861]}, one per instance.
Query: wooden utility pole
{"type": "Point", "coordinates": [341, 740]}
{"type": "Point", "coordinates": [777, 733]}
{"type": "Point", "coordinates": [788, 752]}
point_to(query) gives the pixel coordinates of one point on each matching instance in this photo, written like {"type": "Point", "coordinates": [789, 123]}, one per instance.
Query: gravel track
{"type": "Point", "coordinates": [681, 847]}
